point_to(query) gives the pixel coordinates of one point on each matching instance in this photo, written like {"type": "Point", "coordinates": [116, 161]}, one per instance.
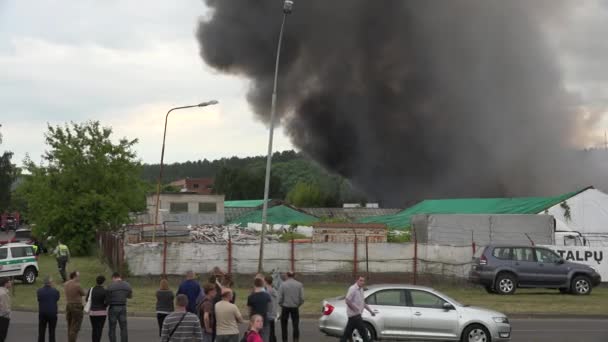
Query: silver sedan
{"type": "Point", "coordinates": [408, 312]}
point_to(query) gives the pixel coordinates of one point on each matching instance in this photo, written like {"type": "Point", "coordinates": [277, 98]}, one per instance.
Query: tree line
{"type": "Point", "coordinates": [294, 178]}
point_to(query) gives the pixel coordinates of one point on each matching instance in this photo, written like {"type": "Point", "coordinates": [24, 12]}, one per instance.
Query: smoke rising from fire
{"type": "Point", "coordinates": [410, 99]}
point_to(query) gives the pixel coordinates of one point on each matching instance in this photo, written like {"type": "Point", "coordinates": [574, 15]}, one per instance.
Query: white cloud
{"type": "Point", "coordinates": [123, 63]}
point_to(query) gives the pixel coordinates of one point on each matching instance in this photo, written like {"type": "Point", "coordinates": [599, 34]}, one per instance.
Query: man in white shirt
{"type": "Point", "coordinates": [355, 304]}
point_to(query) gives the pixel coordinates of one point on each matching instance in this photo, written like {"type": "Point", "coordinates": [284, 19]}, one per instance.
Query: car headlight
{"type": "Point", "coordinates": [501, 320]}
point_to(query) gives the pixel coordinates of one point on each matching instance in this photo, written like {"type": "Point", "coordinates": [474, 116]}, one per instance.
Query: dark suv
{"type": "Point", "coordinates": [502, 269]}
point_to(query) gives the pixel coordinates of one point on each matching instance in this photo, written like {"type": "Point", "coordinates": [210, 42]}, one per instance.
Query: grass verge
{"type": "Point", "coordinates": [525, 301]}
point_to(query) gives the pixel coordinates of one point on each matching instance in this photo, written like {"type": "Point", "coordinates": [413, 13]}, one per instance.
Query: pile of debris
{"type": "Point", "coordinates": [221, 234]}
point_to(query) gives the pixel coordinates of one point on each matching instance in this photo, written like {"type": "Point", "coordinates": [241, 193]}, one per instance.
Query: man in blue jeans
{"type": "Point", "coordinates": [117, 294]}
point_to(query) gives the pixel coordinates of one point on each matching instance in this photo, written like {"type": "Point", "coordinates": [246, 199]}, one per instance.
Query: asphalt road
{"type": "Point", "coordinates": [24, 327]}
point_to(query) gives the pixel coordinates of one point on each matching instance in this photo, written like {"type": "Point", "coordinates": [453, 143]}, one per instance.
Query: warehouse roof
{"type": "Point", "coordinates": [515, 205]}
{"type": "Point", "coordinates": [244, 204]}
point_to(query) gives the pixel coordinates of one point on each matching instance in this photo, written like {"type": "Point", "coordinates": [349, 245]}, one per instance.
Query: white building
{"type": "Point", "coordinates": [187, 208]}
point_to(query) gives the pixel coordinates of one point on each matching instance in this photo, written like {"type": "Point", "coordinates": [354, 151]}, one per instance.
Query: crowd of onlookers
{"type": "Point", "coordinates": [207, 312]}
{"type": "Point", "coordinates": [195, 312]}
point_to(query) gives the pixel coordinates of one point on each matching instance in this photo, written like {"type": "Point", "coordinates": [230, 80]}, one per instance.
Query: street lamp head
{"type": "Point", "coordinates": [208, 103]}
{"type": "Point", "coordinates": [288, 6]}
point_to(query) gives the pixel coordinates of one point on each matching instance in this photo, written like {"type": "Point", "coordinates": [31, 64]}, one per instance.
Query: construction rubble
{"type": "Point", "coordinates": [221, 234]}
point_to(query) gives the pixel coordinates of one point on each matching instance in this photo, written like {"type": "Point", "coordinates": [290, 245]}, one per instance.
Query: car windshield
{"type": "Point", "coordinates": [450, 299]}
{"type": "Point", "coordinates": [24, 234]}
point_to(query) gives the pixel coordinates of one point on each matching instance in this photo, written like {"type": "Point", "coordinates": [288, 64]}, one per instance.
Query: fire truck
{"type": "Point", "coordinates": [10, 221]}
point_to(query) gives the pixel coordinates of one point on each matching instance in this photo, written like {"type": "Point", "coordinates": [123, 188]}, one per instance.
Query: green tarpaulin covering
{"type": "Point", "coordinates": [280, 214]}
{"type": "Point", "coordinates": [244, 204]}
{"type": "Point", "coordinates": [517, 205]}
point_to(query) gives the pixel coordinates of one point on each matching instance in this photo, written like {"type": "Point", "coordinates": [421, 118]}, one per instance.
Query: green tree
{"type": "Point", "coordinates": [7, 176]}
{"type": "Point", "coordinates": [8, 172]}
{"type": "Point", "coordinates": [242, 184]}
{"type": "Point", "coordinates": [85, 184]}
{"type": "Point", "coordinates": [308, 195]}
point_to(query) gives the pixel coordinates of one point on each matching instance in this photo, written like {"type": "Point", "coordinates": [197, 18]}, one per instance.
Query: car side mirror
{"type": "Point", "coordinates": [560, 261]}
{"type": "Point", "coordinates": [447, 306]}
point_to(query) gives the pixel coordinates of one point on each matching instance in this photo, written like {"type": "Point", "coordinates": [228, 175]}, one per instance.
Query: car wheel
{"type": "Point", "coordinates": [29, 276]}
{"type": "Point", "coordinates": [357, 337]}
{"type": "Point", "coordinates": [505, 284]}
{"type": "Point", "coordinates": [564, 290]}
{"type": "Point", "coordinates": [581, 285]}
{"type": "Point", "coordinates": [489, 289]}
{"type": "Point", "coordinates": [476, 333]}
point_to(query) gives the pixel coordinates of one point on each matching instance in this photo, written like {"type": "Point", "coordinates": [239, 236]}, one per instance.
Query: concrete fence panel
{"type": "Point", "coordinates": [147, 258]}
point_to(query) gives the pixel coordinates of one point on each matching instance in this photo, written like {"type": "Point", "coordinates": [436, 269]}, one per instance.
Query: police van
{"type": "Point", "coordinates": [18, 260]}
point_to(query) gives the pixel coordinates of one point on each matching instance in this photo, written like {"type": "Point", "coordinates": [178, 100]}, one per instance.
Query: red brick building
{"type": "Point", "coordinates": [202, 186]}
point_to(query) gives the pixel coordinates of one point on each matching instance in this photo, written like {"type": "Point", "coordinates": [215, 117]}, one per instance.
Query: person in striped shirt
{"type": "Point", "coordinates": [181, 325]}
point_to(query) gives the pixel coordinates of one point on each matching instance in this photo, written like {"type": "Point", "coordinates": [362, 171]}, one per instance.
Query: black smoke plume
{"type": "Point", "coordinates": [409, 99]}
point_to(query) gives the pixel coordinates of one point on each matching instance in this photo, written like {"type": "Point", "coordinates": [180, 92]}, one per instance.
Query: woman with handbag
{"type": "Point", "coordinates": [97, 309]}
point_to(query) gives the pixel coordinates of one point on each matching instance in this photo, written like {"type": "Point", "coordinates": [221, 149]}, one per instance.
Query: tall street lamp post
{"type": "Point", "coordinates": [162, 158]}
{"type": "Point", "coordinates": [287, 8]}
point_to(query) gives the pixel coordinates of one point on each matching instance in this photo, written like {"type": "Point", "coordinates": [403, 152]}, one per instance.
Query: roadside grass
{"type": "Point", "coordinates": [525, 301]}
{"type": "Point", "coordinates": [534, 301]}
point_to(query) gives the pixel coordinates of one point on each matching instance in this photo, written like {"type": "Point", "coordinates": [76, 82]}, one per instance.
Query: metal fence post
{"type": "Point", "coordinates": [164, 250]}
{"type": "Point", "coordinates": [355, 261]}
{"type": "Point", "coordinates": [415, 256]}
{"type": "Point", "coordinates": [293, 255]}
{"type": "Point", "coordinates": [229, 252]}
{"type": "Point", "coordinates": [367, 256]}
{"type": "Point", "coordinates": [473, 243]}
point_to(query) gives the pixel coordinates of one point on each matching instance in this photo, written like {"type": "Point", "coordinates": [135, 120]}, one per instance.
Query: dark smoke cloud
{"type": "Point", "coordinates": [410, 99]}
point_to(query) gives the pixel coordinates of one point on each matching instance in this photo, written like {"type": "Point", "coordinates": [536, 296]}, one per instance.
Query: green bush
{"type": "Point", "coordinates": [290, 235]}
{"type": "Point", "coordinates": [399, 236]}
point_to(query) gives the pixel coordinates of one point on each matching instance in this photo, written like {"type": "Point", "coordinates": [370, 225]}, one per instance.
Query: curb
{"type": "Point", "coordinates": [553, 316]}
{"type": "Point", "coordinates": [309, 316]}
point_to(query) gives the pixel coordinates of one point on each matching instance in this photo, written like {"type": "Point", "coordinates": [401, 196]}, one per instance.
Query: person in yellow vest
{"type": "Point", "coordinates": [62, 254]}
{"type": "Point", "coordinates": [35, 247]}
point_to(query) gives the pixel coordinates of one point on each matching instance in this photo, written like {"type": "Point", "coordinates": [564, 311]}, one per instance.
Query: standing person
{"type": "Point", "coordinates": [256, 322]}
{"type": "Point", "coordinates": [272, 308]}
{"type": "Point", "coordinates": [258, 303]}
{"type": "Point", "coordinates": [48, 296]}
{"type": "Point", "coordinates": [207, 313]}
{"type": "Point", "coordinates": [225, 282]}
{"type": "Point", "coordinates": [227, 317]}
{"type": "Point", "coordinates": [228, 283]}
{"type": "Point", "coordinates": [99, 311]}
{"type": "Point", "coordinates": [260, 276]}
{"type": "Point", "coordinates": [191, 289]}
{"type": "Point", "coordinates": [5, 307]}
{"type": "Point", "coordinates": [74, 307]}
{"type": "Point", "coordinates": [62, 255]}
{"type": "Point", "coordinates": [291, 297]}
{"type": "Point", "coordinates": [355, 303]}
{"type": "Point", "coordinates": [181, 325]}
{"type": "Point", "coordinates": [164, 303]}
{"type": "Point", "coordinates": [116, 298]}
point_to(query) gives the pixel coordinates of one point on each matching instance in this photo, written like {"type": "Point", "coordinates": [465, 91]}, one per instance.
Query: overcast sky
{"type": "Point", "coordinates": [126, 62]}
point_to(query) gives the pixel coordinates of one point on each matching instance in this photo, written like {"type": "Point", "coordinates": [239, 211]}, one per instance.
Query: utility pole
{"type": "Point", "coordinates": [287, 9]}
